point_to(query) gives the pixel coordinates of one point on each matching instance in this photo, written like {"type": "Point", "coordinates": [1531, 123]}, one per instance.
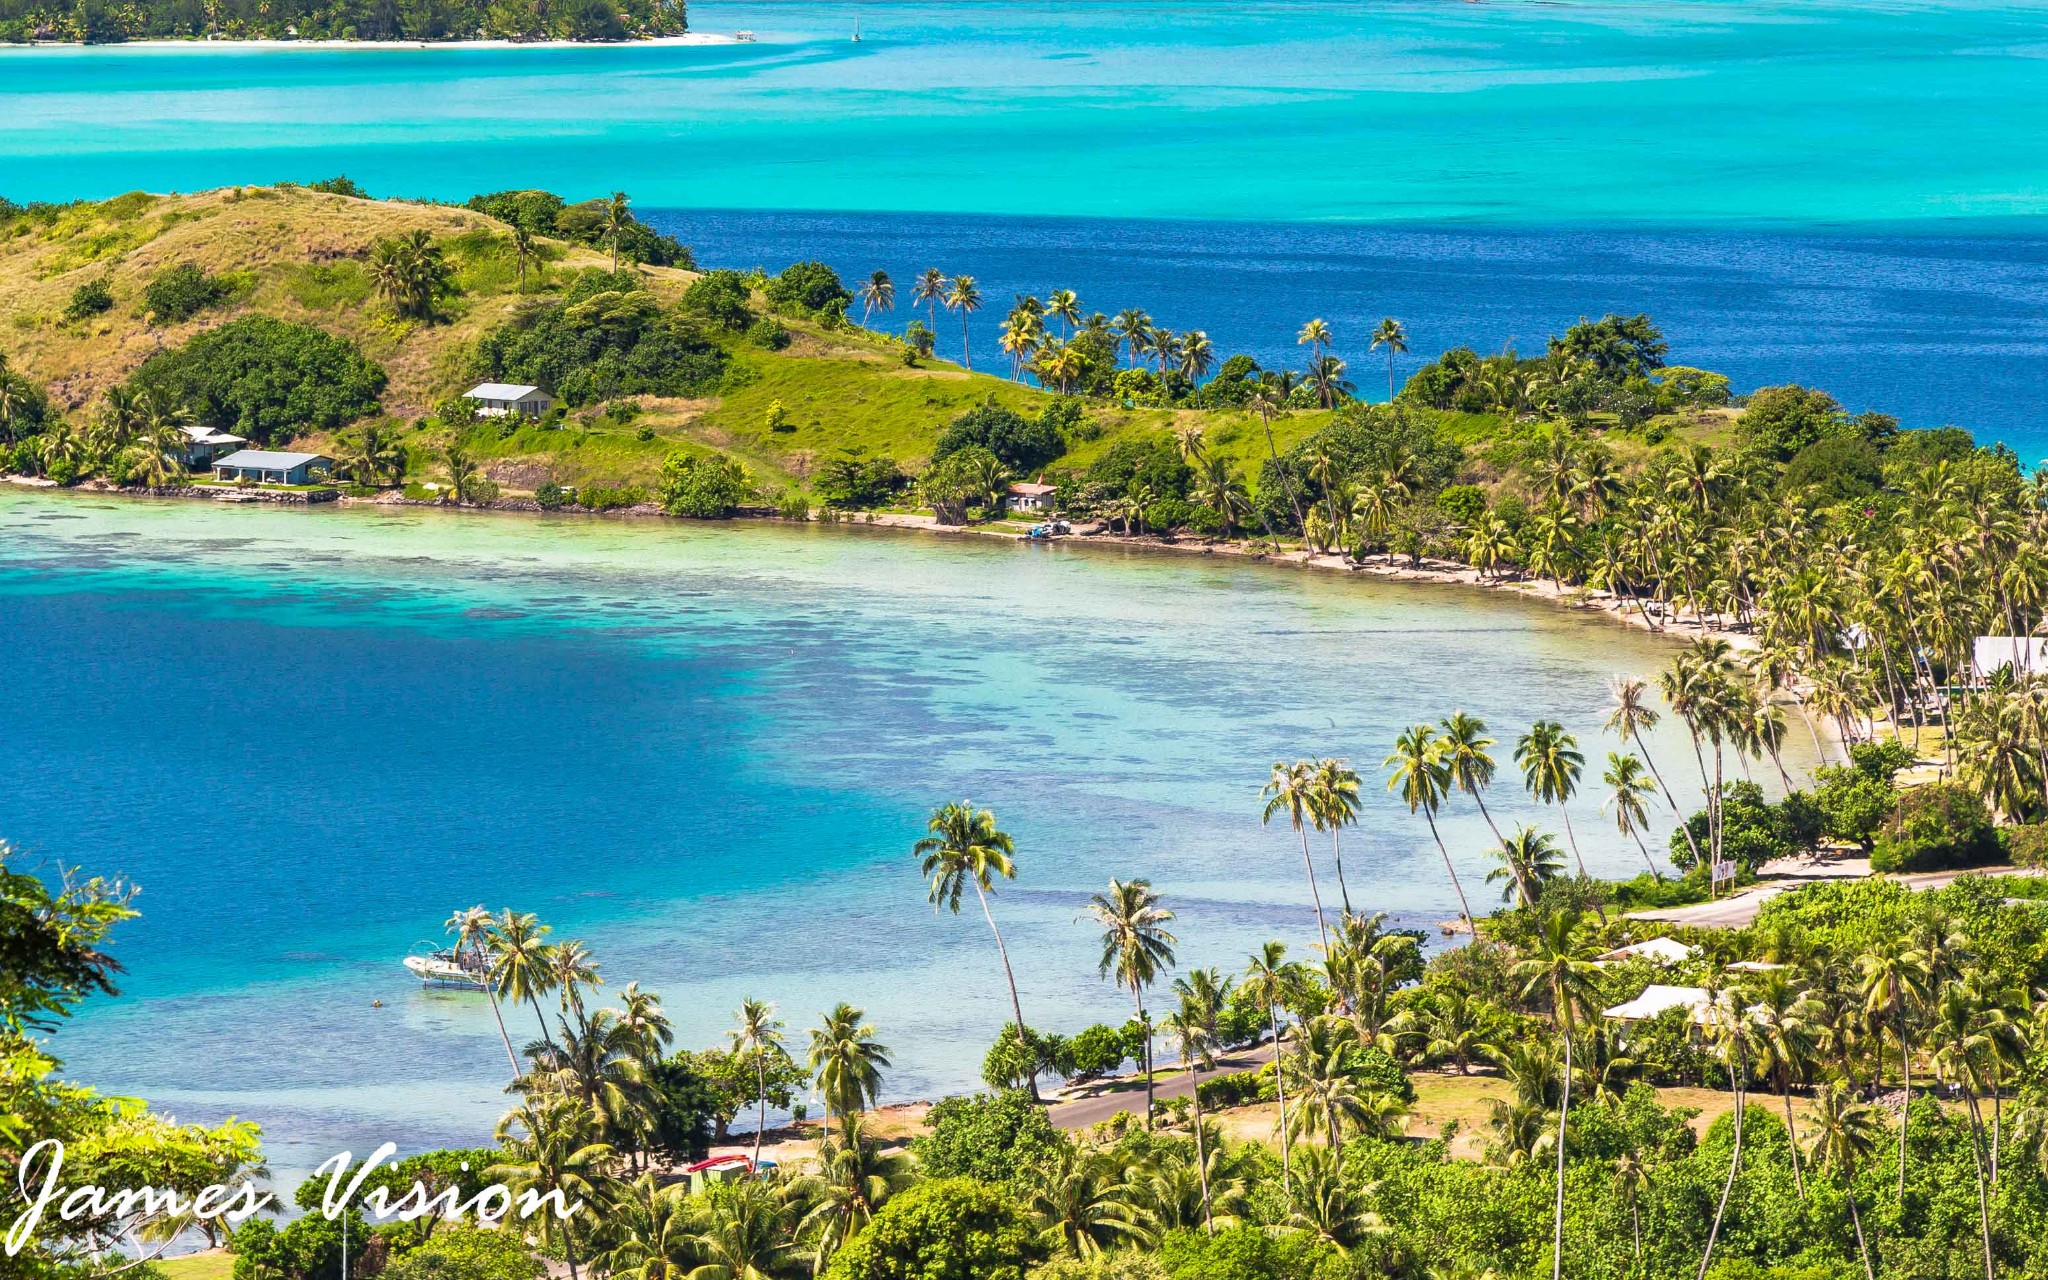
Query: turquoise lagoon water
{"type": "Point", "coordinates": [704, 749]}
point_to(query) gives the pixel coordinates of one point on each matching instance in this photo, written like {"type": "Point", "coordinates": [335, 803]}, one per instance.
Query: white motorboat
{"type": "Point", "coordinates": [448, 969]}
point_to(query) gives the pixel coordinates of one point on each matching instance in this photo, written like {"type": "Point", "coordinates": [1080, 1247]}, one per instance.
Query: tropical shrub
{"type": "Point", "coordinates": [266, 379]}
{"type": "Point", "coordinates": [720, 296]}
{"type": "Point", "coordinates": [2027, 846]}
{"type": "Point", "coordinates": [1935, 827]}
{"type": "Point", "coordinates": [768, 333]}
{"type": "Point", "coordinates": [543, 213]}
{"type": "Point", "coordinates": [467, 1254]}
{"type": "Point", "coordinates": [856, 481]}
{"type": "Point", "coordinates": [1101, 1050]}
{"type": "Point", "coordinates": [1024, 445]}
{"type": "Point", "coordinates": [703, 488]}
{"type": "Point", "coordinates": [181, 292]}
{"type": "Point", "coordinates": [1251, 1253]}
{"type": "Point", "coordinates": [606, 337]}
{"type": "Point", "coordinates": [89, 299]}
{"type": "Point", "coordinates": [990, 1137]}
{"type": "Point", "coordinates": [1853, 800]}
{"type": "Point", "coordinates": [948, 1229]}
{"type": "Point", "coordinates": [809, 288]}
{"type": "Point", "coordinates": [1753, 830]}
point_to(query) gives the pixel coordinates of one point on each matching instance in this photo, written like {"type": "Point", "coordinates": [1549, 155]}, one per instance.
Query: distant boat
{"type": "Point", "coordinates": [447, 968]}
{"type": "Point", "coordinates": [856, 28]}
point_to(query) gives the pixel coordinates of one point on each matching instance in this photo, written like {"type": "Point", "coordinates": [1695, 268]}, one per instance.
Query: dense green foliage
{"type": "Point", "coordinates": [605, 336]}
{"type": "Point", "coordinates": [947, 1229]}
{"type": "Point", "coordinates": [1935, 827]}
{"type": "Point", "coordinates": [543, 213]}
{"type": "Point", "coordinates": [267, 380]}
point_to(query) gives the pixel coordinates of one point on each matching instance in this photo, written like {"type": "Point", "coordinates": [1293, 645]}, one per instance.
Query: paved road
{"type": "Point", "coordinates": [1739, 911]}
{"type": "Point", "coordinates": [1105, 1100]}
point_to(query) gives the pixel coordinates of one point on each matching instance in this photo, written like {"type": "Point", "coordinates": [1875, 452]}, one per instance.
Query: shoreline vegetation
{"type": "Point", "coordinates": [1877, 1057]}
{"type": "Point", "coordinates": [678, 40]}
{"type": "Point", "coordinates": [338, 23]}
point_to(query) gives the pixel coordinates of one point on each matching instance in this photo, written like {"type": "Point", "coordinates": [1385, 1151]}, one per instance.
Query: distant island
{"type": "Point", "coordinates": [366, 21]}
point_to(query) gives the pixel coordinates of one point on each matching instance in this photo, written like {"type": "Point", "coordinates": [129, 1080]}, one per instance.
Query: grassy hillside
{"type": "Point", "coordinates": [301, 256]}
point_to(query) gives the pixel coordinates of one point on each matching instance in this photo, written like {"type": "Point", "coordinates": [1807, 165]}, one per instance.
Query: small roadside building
{"type": "Point", "coordinates": [1657, 999]}
{"type": "Point", "coordinates": [505, 399]}
{"type": "Point", "coordinates": [261, 466]}
{"type": "Point", "coordinates": [204, 444]}
{"type": "Point", "coordinates": [1031, 497]}
{"type": "Point", "coordinates": [1662, 952]}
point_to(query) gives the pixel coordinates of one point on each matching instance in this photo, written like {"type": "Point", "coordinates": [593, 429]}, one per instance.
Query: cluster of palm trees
{"type": "Point", "coordinates": [410, 273]}
{"type": "Point", "coordinates": [135, 434]}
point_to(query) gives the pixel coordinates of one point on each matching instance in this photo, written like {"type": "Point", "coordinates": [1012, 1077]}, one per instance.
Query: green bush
{"type": "Point", "coordinates": [768, 333]}
{"type": "Point", "coordinates": [1024, 445]}
{"type": "Point", "coordinates": [704, 489]}
{"type": "Point", "coordinates": [2027, 846]}
{"type": "Point", "coordinates": [1240, 1087]}
{"type": "Point", "coordinates": [604, 497]}
{"type": "Point", "coordinates": [1251, 1253]}
{"type": "Point", "coordinates": [809, 288]}
{"type": "Point", "coordinates": [607, 337]}
{"type": "Point", "coordinates": [268, 380]}
{"type": "Point", "coordinates": [1935, 827]}
{"type": "Point", "coordinates": [181, 292]}
{"type": "Point", "coordinates": [89, 299]}
{"type": "Point", "coordinates": [720, 296]}
{"type": "Point", "coordinates": [948, 1229]}
{"type": "Point", "coordinates": [1101, 1049]}
{"type": "Point", "coordinates": [993, 1138]}
{"type": "Point", "coordinates": [458, 1253]}
{"type": "Point", "coordinates": [550, 496]}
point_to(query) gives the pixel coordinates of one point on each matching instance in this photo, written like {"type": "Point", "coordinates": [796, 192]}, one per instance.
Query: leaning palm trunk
{"type": "Point", "coordinates": [1906, 1091]}
{"type": "Point", "coordinates": [1791, 1132]}
{"type": "Point", "coordinates": [1734, 1165]}
{"type": "Point", "coordinates": [1337, 856]}
{"type": "Point", "coordinates": [1664, 787]}
{"type": "Point", "coordinates": [1201, 1148]}
{"type": "Point", "coordinates": [1280, 1093]}
{"type": "Point", "coordinates": [1016, 1006]}
{"type": "Point", "coordinates": [1313, 892]}
{"type": "Point", "coordinates": [1856, 1217]}
{"type": "Point", "coordinates": [1977, 1156]}
{"type": "Point", "coordinates": [1464, 907]}
{"type": "Point", "coordinates": [1563, 1114]}
{"type": "Point", "coordinates": [761, 1083]}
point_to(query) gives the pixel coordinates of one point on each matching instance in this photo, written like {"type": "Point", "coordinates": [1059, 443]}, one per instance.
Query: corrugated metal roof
{"type": "Point", "coordinates": [265, 460]}
{"type": "Point", "coordinates": [499, 391]}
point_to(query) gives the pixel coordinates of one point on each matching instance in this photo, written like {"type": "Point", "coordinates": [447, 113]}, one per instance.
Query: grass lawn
{"type": "Point", "coordinates": [199, 1266]}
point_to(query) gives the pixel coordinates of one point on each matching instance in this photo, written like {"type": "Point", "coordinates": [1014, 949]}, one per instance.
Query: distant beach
{"type": "Point", "coordinates": [245, 46]}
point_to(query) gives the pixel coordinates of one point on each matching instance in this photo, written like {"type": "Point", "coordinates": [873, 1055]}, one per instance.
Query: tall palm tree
{"type": "Point", "coordinates": [618, 220]}
{"type": "Point", "coordinates": [1528, 860]}
{"type": "Point", "coordinates": [1419, 773]}
{"type": "Point", "coordinates": [522, 962]}
{"type": "Point", "coordinates": [1560, 967]}
{"type": "Point", "coordinates": [1292, 790]}
{"type": "Point", "coordinates": [745, 1231]}
{"type": "Point", "coordinates": [1464, 744]}
{"type": "Point", "coordinates": [1628, 714]}
{"type": "Point", "coordinates": [1729, 1030]}
{"type": "Point", "coordinates": [930, 290]}
{"type": "Point", "coordinates": [1334, 804]}
{"type": "Point", "coordinates": [1782, 1014]}
{"type": "Point", "coordinates": [524, 252]}
{"type": "Point", "coordinates": [759, 1035]}
{"type": "Point", "coordinates": [1846, 1131]}
{"type": "Point", "coordinates": [1132, 327]}
{"type": "Point", "coordinates": [877, 294]}
{"type": "Point", "coordinates": [1193, 1028]}
{"type": "Point", "coordinates": [1271, 977]}
{"type": "Point", "coordinates": [472, 929]}
{"type": "Point", "coordinates": [1315, 335]}
{"type": "Point", "coordinates": [1550, 762]}
{"type": "Point", "coordinates": [1895, 982]}
{"type": "Point", "coordinates": [1394, 338]}
{"type": "Point", "coordinates": [964, 297]}
{"type": "Point", "coordinates": [848, 1062]}
{"type": "Point", "coordinates": [1626, 787]}
{"type": "Point", "coordinates": [965, 847]}
{"type": "Point", "coordinates": [1062, 305]}
{"type": "Point", "coordinates": [1136, 949]}
{"type": "Point", "coordinates": [554, 1157]}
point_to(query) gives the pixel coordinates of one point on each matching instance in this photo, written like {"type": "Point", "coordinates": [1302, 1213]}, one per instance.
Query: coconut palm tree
{"type": "Point", "coordinates": [1529, 859]}
{"type": "Point", "coordinates": [964, 847]}
{"type": "Point", "coordinates": [1292, 791]}
{"type": "Point", "coordinates": [1062, 305]}
{"type": "Point", "coordinates": [1781, 1015]}
{"type": "Point", "coordinates": [522, 961]}
{"type": "Point", "coordinates": [853, 1180]}
{"type": "Point", "coordinates": [1419, 773]}
{"type": "Point", "coordinates": [930, 290]}
{"type": "Point", "coordinates": [758, 1035]}
{"type": "Point", "coordinates": [1315, 335]}
{"type": "Point", "coordinates": [964, 297]}
{"type": "Point", "coordinates": [1463, 744]}
{"type": "Point", "coordinates": [1394, 338]}
{"type": "Point", "coordinates": [1560, 968]}
{"type": "Point", "coordinates": [524, 252]}
{"type": "Point", "coordinates": [548, 1152]}
{"type": "Point", "coordinates": [1132, 328]}
{"type": "Point", "coordinates": [1550, 762]}
{"type": "Point", "coordinates": [617, 220]}
{"type": "Point", "coordinates": [1193, 1028]}
{"type": "Point", "coordinates": [1084, 1204]}
{"type": "Point", "coordinates": [1730, 1032]}
{"type": "Point", "coordinates": [472, 929]}
{"type": "Point", "coordinates": [1626, 787]}
{"type": "Point", "coordinates": [848, 1062]}
{"type": "Point", "coordinates": [877, 294]}
{"type": "Point", "coordinates": [1896, 981]}
{"type": "Point", "coordinates": [1272, 978]}
{"type": "Point", "coordinates": [1326, 375]}
{"type": "Point", "coordinates": [744, 1231]}
{"type": "Point", "coordinates": [1333, 802]}
{"type": "Point", "coordinates": [1628, 714]}
{"type": "Point", "coordinates": [1136, 949]}
{"type": "Point", "coordinates": [1846, 1132]}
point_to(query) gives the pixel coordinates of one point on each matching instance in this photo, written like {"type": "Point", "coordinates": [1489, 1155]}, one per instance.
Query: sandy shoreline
{"type": "Point", "coordinates": [246, 46]}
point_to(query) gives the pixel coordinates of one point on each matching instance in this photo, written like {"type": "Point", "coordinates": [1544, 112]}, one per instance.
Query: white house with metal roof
{"type": "Point", "coordinates": [204, 444]}
{"type": "Point", "coordinates": [2024, 655]}
{"type": "Point", "coordinates": [263, 466]}
{"type": "Point", "coordinates": [504, 399]}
